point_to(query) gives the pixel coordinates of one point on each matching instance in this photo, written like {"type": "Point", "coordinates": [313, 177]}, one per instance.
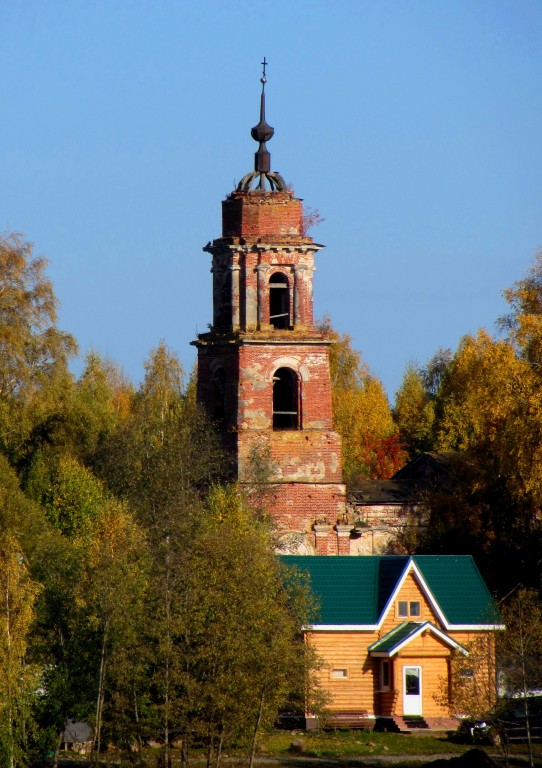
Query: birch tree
{"type": "Point", "coordinates": [18, 680]}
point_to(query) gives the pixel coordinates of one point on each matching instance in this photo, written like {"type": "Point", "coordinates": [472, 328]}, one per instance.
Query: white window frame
{"type": "Point", "coordinates": [407, 613]}
{"type": "Point", "coordinates": [337, 668]}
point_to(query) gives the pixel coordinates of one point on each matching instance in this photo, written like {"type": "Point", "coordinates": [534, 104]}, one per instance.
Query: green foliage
{"type": "Point", "coordinates": [74, 499]}
{"type": "Point", "coordinates": [414, 411]}
{"type": "Point", "coordinates": [165, 453]}
{"type": "Point", "coordinates": [33, 352]}
{"type": "Point", "coordinates": [18, 680]}
{"type": "Point", "coordinates": [237, 656]}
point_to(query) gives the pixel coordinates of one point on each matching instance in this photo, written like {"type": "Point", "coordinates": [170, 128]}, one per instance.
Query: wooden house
{"type": "Point", "coordinates": [388, 629]}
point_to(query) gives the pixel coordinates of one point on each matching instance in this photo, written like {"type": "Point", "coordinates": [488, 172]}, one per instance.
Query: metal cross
{"type": "Point", "coordinates": [264, 65]}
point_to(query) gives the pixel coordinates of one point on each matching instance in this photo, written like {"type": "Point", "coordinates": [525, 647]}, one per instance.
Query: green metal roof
{"type": "Point", "coordinates": [458, 588]}
{"type": "Point", "coordinates": [347, 587]}
{"type": "Point", "coordinates": [404, 632]}
{"type": "Point", "coordinates": [399, 633]}
{"type": "Point", "coordinates": [355, 590]}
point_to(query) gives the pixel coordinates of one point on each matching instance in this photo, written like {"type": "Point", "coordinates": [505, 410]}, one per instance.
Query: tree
{"type": "Point", "coordinates": [74, 498]}
{"type": "Point", "coordinates": [520, 651]}
{"type": "Point", "coordinates": [165, 453]}
{"type": "Point", "coordinates": [243, 657]}
{"type": "Point", "coordinates": [414, 412]}
{"type": "Point", "coordinates": [111, 591]}
{"type": "Point", "coordinates": [18, 680]}
{"type": "Point", "coordinates": [471, 690]}
{"type": "Point", "coordinates": [523, 324]}
{"type": "Point", "coordinates": [484, 382]}
{"type": "Point", "coordinates": [226, 632]}
{"type": "Point", "coordinates": [100, 400]}
{"type": "Point", "coordinates": [371, 445]}
{"type": "Point", "coordinates": [33, 352]}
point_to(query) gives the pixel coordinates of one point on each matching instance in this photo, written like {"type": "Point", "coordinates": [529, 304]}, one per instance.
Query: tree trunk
{"type": "Point", "coordinates": [101, 694]}
{"type": "Point", "coordinates": [523, 652]}
{"type": "Point", "coordinates": [256, 729]}
{"type": "Point", "coordinates": [219, 750]}
{"type": "Point", "coordinates": [137, 722]}
{"type": "Point", "coordinates": [184, 750]}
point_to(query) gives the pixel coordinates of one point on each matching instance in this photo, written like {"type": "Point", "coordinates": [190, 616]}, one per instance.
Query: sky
{"type": "Point", "coordinates": [413, 127]}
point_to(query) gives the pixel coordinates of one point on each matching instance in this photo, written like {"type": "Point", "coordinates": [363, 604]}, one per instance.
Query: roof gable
{"type": "Point", "coordinates": [357, 592]}
{"type": "Point", "coordinates": [404, 633]}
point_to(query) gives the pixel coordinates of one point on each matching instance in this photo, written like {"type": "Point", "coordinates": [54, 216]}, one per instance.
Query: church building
{"type": "Point", "coordinates": [263, 367]}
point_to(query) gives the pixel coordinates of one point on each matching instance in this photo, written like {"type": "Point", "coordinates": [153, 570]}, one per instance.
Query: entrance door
{"type": "Point", "coordinates": [412, 690]}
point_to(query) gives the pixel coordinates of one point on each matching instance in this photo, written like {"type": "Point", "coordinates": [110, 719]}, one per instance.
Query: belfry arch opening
{"type": "Point", "coordinates": [219, 395]}
{"type": "Point", "coordinates": [286, 399]}
{"type": "Point", "coordinates": [279, 301]}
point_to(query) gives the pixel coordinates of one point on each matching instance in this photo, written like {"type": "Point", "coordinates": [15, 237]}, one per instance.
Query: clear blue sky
{"type": "Point", "coordinates": [415, 128]}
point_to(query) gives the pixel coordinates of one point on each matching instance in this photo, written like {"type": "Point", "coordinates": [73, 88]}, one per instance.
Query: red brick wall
{"type": "Point", "coordinates": [258, 362]}
{"type": "Point", "coordinates": [262, 233]}
{"type": "Point", "coordinates": [253, 214]}
{"type": "Point", "coordinates": [295, 507]}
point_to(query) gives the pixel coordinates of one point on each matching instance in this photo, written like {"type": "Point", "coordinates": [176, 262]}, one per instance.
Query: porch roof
{"type": "Point", "coordinates": [403, 633]}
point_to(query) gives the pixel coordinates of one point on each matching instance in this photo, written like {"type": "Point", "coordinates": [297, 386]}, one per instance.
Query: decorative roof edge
{"type": "Point", "coordinates": [411, 566]}
{"type": "Point", "coordinates": [422, 627]}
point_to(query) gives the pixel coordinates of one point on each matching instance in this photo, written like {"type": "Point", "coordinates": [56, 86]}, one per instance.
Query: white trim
{"type": "Point", "coordinates": [474, 627]}
{"type": "Point", "coordinates": [422, 628]}
{"type": "Point", "coordinates": [418, 696]}
{"type": "Point", "coordinates": [411, 566]}
{"type": "Point", "coordinates": [288, 361]}
{"type": "Point", "coordinates": [341, 628]}
{"type": "Point", "coordinates": [375, 627]}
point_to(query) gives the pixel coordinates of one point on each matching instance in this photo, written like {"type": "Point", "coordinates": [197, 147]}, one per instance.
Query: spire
{"type": "Point", "coordinates": [261, 133]}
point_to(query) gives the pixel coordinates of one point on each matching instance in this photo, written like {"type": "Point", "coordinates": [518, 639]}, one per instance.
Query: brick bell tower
{"type": "Point", "coordinates": [263, 368]}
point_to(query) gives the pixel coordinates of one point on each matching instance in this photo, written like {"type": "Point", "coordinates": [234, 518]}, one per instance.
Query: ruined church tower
{"type": "Point", "coordinates": [263, 367]}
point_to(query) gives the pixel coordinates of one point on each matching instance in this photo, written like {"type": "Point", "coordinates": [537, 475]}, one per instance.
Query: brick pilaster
{"type": "Point", "coordinates": [322, 539]}
{"type": "Point", "coordinates": [343, 539]}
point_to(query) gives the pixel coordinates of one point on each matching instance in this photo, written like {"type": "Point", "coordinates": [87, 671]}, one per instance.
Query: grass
{"type": "Point", "coordinates": [354, 745]}
{"type": "Point", "coordinates": [357, 744]}
{"type": "Point", "coordinates": [347, 746]}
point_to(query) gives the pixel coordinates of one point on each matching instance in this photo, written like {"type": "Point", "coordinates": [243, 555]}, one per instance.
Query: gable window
{"type": "Point", "coordinates": [339, 673]}
{"type": "Point", "coordinates": [409, 609]}
{"type": "Point", "coordinates": [279, 301]}
{"type": "Point", "coordinates": [285, 399]}
{"type": "Point", "coordinates": [384, 675]}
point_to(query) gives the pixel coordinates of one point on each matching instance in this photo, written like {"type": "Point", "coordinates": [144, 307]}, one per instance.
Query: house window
{"type": "Point", "coordinates": [279, 301]}
{"type": "Point", "coordinates": [339, 673]}
{"type": "Point", "coordinates": [384, 675]}
{"type": "Point", "coordinates": [466, 674]}
{"type": "Point", "coordinates": [285, 399]}
{"type": "Point", "coordinates": [409, 609]}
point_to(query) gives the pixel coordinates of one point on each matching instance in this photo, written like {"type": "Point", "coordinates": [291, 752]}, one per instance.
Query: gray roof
{"type": "Point", "coordinates": [77, 732]}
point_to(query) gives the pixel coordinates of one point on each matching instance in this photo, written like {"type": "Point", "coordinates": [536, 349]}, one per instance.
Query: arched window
{"type": "Point", "coordinates": [279, 301]}
{"type": "Point", "coordinates": [219, 395]}
{"type": "Point", "coordinates": [285, 399]}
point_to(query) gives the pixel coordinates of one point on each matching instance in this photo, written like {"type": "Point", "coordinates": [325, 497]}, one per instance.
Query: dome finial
{"type": "Point", "coordinates": [261, 133]}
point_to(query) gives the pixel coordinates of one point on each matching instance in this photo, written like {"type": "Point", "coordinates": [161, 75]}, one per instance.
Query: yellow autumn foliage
{"type": "Point", "coordinates": [362, 413]}
{"type": "Point", "coordinates": [485, 383]}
